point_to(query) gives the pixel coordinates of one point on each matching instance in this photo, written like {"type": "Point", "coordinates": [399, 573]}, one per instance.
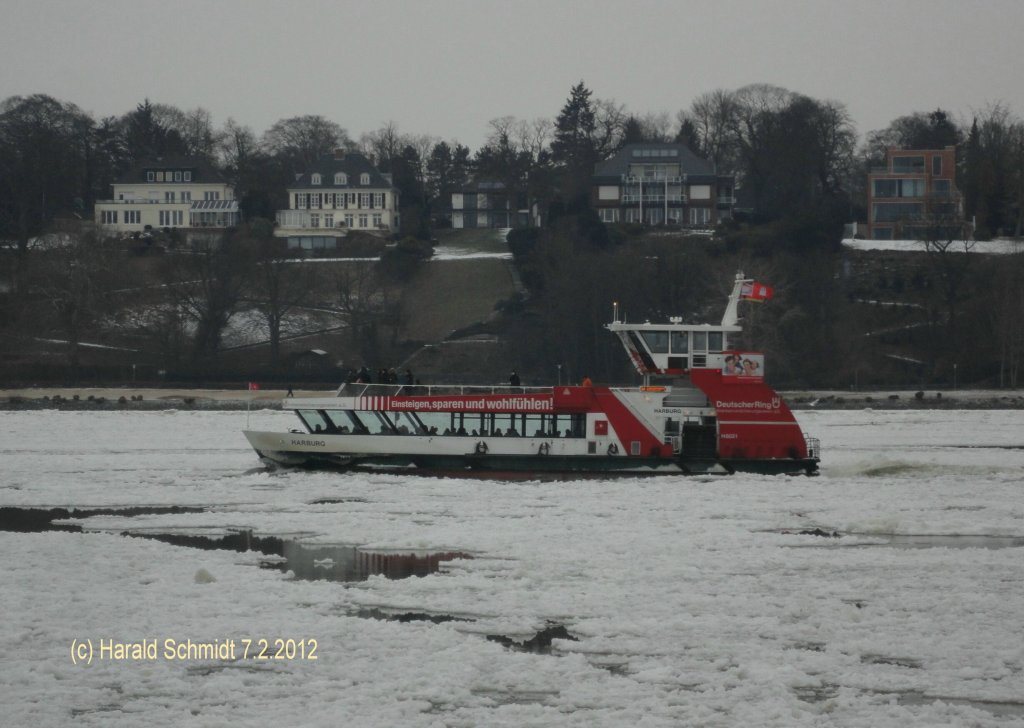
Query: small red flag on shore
{"type": "Point", "coordinates": [253, 386]}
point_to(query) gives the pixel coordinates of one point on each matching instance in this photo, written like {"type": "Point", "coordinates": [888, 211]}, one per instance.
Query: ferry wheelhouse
{"type": "Point", "coordinates": [703, 408]}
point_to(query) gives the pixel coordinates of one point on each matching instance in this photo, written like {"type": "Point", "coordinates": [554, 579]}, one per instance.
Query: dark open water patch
{"type": "Point", "coordinates": [35, 520]}
{"type": "Point", "coordinates": [539, 644]}
{"type": "Point", "coordinates": [906, 541]}
{"type": "Point", "coordinates": [406, 617]}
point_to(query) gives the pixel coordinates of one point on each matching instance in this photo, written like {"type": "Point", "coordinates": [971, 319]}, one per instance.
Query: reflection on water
{"type": "Point", "coordinates": [349, 563]}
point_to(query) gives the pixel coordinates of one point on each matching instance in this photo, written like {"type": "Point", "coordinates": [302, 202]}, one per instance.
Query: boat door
{"type": "Point", "coordinates": [700, 439]}
{"type": "Point", "coordinates": [673, 436]}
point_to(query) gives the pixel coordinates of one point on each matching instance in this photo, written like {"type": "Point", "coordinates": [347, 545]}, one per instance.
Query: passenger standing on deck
{"type": "Point", "coordinates": [513, 379]}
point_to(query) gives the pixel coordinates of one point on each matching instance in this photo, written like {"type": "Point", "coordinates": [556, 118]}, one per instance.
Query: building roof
{"type": "Point", "coordinates": [202, 171]}
{"type": "Point", "coordinates": [655, 153]}
{"type": "Point", "coordinates": [353, 164]}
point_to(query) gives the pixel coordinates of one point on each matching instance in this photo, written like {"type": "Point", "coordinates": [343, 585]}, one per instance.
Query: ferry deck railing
{"type": "Point", "coordinates": [813, 447]}
{"type": "Point", "coordinates": [360, 389]}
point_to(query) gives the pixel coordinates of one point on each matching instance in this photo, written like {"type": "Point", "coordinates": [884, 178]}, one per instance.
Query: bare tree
{"type": "Point", "coordinates": [302, 140]}
{"type": "Point", "coordinates": [281, 284]}
{"type": "Point", "coordinates": [72, 274]}
{"type": "Point", "coordinates": [207, 285]}
{"type": "Point", "coordinates": [368, 305]}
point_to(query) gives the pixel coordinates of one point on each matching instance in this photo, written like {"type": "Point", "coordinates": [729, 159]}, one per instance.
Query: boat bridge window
{"type": "Point", "coordinates": [700, 340]}
{"type": "Point", "coordinates": [680, 342]}
{"type": "Point", "coordinates": [716, 340]}
{"type": "Point", "coordinates": [657, 341]}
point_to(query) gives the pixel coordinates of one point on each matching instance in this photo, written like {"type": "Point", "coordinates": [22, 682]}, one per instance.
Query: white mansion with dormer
{"type": "Point", "coordinates": [171, 193]}
{"type": "Point", "coordinates": [342, 192]}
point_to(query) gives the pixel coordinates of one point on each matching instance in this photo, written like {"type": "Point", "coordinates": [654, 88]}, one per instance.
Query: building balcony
{"type": "Point", "coordinates": [677, 199]}
{"type": "Point", "coordinates": [653, 179]}
{"type": "Point", "coordinates": [726, 200]}
{"type": "Point", "coordinates": [302, 221]}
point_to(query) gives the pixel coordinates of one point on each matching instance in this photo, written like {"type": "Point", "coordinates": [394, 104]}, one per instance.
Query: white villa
{"type": "Point", "coordinates": [343, 192]}
{"type": "Point", "coordinates": [171, 193]}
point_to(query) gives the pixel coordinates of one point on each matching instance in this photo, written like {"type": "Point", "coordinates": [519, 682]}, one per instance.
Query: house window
{"type": "Point", "coordinates": [940, 188]}
{"type": "Point", "coordinates": [340, 179]}
{"type": "Point", "coordinates": [377, 220]}
{"type": "Point", "coordinates": [348, 220]}
{"type": "Point", "coordinates": [315, 180]}
{"type": "Point", "coordinates": [171, 218]}
{"type": "Point", "coordinates": [908, 164]}
{"type": "Point", "coordinates": [936, 165]}
{"type": "Point", "coordinates": [177, 176]}
{"type": "Point", "coordinates": [211, 195]}
{"type": "Point", "coordinates": [133, 217]}
{"type": "Point", "coordinates": [363, 220]}
{"type": "Point", "coordinates": [699, 215]}
{"type": "Point", "coordinates": [364, 200]}
{"type": "Point", "coordinates": [186, 196]}
{"type": "Point", "coordinates": [314, 220]}
{"type": "Point", "coordinates": [169, 196]}
{"type": "Point", "coordinates": [109, 217]}
{"type": "Point", "coordinates": [188, 176]}
{"type": "Point", "coordinates": [328, 221]}
{"type": "Point", "coordinates": [160, 176]}
{"type": "Point", "coordinates": [351, 199]}
{"type": "Point", "coordinates": [609, 214]}
{"type": "Point", "coordinates": [150, 176]}
{"type": "Point", "coordinates": [314, 201]}
{"type": "Point", "coordinates": [364, 178]}
{"type": "Point", "coordinates": [378, 200]}
{"type": "Point", "coordinates": [301, 200]}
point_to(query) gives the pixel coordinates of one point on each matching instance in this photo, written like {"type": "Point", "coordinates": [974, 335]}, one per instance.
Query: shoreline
{"type": "Point", "coordinates": [148, 398]}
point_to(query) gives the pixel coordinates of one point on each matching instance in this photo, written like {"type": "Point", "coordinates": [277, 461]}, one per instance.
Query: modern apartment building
{"type": "Point", "coordinates": [914, 196]}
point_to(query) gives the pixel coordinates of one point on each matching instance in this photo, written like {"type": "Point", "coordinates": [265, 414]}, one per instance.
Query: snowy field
{"type": "Point", "coordinates": [678, 601]}
{"type": "Point", "coordinates": [999, 246]}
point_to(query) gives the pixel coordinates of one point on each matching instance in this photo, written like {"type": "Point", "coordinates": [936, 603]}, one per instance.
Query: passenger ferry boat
{"type": "Point", "coordinates": [703, 408]}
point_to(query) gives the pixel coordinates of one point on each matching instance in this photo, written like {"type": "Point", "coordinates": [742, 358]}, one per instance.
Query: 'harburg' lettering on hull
{"type": "Point", "coordinates": [482, 404]}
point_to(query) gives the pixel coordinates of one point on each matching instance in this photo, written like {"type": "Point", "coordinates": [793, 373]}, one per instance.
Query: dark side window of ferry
{"type": "Point", "coordinates": [680, 342]}
{"type": "Point", "coordinates": [314, 421]}
{"type": "Point", "coordinates": [657, 341]}
{"type": "Point", "coordinates": [715, 341]}
{"type": "Point", "coordinates": [700, 340]}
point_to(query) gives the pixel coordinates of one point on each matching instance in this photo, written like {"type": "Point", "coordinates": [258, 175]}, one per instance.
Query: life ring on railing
{"type": "Point", "coordinates": [613, 449]}
{"type": "Point", "coordinates": [481, 448]}
{"type": "Point", "coordinates": [544, 449]}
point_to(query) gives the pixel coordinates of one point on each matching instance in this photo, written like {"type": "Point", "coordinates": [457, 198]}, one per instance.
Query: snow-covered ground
{"type": "Point", "coordinates": [692, 601]}
{"type": "Point", "coordinates": [999, 246]}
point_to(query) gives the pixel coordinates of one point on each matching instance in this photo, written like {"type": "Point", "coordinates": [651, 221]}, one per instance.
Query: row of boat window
{"type": "Point", "coordinates": [489, 424]}
{"type": "Point", "coordinates": [683, 341]}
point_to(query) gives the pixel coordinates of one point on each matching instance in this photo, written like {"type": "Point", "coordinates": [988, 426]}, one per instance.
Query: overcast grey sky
{"type": "Point", "coordinates": [447, 67]}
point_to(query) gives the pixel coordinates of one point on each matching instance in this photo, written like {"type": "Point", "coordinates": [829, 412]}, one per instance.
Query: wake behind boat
{"type": "Point", "coordinates": [713, 415]}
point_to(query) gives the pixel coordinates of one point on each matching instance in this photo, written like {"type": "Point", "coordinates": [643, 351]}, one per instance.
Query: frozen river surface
{"type": "Point", "coordinates": [664, 602]}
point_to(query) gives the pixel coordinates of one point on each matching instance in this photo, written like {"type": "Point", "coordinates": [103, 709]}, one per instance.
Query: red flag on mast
{"type": "Point", "coordinates": [754, 291]}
